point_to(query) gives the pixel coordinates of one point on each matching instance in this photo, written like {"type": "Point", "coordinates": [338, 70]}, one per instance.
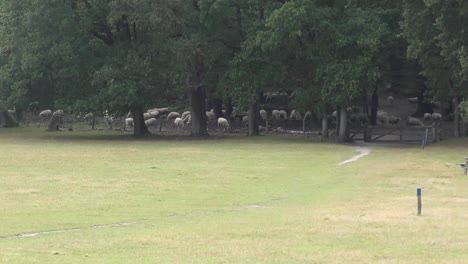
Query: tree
{"type": "Point", "coordinates": [322, 48]}
{"type": "Point", "coordinates": [436, 36]}
{"type": "Point", "coordinates": [89, 55]}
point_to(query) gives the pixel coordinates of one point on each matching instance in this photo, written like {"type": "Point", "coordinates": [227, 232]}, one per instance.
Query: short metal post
{"type": "Point", "coordinates": [418, 193]}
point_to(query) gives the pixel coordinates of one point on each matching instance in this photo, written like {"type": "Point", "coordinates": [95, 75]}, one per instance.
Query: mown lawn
{"type": "Point", "coordinates": [262, 200]}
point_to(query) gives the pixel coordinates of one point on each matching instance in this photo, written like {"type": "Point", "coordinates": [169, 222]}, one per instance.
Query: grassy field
{"type": "Point", "coordinates": [112, 199]}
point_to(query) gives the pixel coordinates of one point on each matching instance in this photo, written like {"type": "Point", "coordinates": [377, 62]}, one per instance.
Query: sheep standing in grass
{"type": "Point", "coordinates": [427, 116]}
{"type": "Point", "coordinates": [172, 115]}
{"type": "Point", "coordinates": [88, 117]}
{"type": "Point", "coordinates": [147, 116]}
{"type": "Point", "coordinates": [179, 123]}
{"type": "Point", "coordinates": [222, 122]}
{"type": "Point", "coordinates": [381, 116]}
{"type": "Point", "coordinates": [393, 120]}
{"type": "Point", "coordinates": [185, 114]}
{"type": "Point", "coordinates": [245, 120]}
{"type": "Point", "coordinates": [387, 119]}
{"type": "Point", "coordinates": [151, 122]}
{"type": "Point", "coordinates": [154, 113]}
{"type": "Point", "coordinates": [390, 100]}
{"type": "Point", "coordinates": [59, 112]}
{"type": "Point", "coordinates": [295, 115]}
{"type": "Point", "coordinates": [162, 111]}
{"type": "Point", "coordinates": [46, 114]}
{"type": "Point", "coordinates": [263, 115]}
{"type": "Point", "coordinates": [276, 114]}
{"type": "Point", "coordinates": [109, 119]}
{"type": "Point", "coordinates": [413, 121]}
{"type": "Point", "coordinates": [283, 115]}
{"type": "Point", "coordinates": [437, 117]}
{"type": "Point", "coordinates": [210, 116]}
{"type": "Point", "coordinates": [129, 122]}
{"type": "Point", "coordinates": [187, 119]}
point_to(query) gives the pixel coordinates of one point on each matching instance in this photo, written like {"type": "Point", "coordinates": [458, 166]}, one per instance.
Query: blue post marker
{"type": "Point", "coordinates": [419, 194]}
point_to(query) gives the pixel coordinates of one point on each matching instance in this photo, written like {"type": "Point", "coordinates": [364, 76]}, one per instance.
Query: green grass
{"type": "Point", "coordinates": [262, 200]}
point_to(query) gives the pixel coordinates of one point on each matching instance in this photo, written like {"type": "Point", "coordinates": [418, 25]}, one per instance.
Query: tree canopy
{"type": "Point", "coordinates": [128, 55]}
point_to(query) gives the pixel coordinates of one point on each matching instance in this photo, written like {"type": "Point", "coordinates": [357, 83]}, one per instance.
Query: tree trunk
{"type": "Point", "coordinates": [456, 115]}
{"type": "Point", "coordinates": [6, 120]}
{"type": "Point", "coordinates": [254, 117]}
{"type": "Point", "coordinates": [208, 105]}
{"type": "Point", "coordinates": [343, 132]}
{"type": "Point", "coordinates": [218, 108]}
{"type": "Point", "coordinates": [229, 108]}
{"type": "Point", "coordinates": [324, 126]}
{"type": "Point", "coordinates": [338, 111]}
{"type": "Point", "coordinates": [139, 126]}
{"type": "Point", "coordinates": [374, 107]}
{"type": "Point", "coordinates": [197, 105]}
{"type": "Point", "coordinates": [93, 124]}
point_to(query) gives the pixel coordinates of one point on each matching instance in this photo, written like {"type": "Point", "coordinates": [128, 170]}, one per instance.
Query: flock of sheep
{"type": "Point", "coordinates": [385, 118]}
{"type": "Point", "coordinates": [181, 120]}
{"type": "Point", "coordinates": [156, 116]}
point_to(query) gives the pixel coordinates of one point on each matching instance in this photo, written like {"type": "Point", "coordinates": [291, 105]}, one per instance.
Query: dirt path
{"type": "Point", "coordinates": [254, 206]}
{"type": "Point", "coordinates": [363, 151]}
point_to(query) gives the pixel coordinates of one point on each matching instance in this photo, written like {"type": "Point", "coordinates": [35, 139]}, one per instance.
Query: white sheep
{"type": "Point", "coordinates": [88, 116]}
{"type": "Point", "coordinates": [185, 114]}
{"type": "Point", "coordinates": [147, 116]}
{"type": "Point", "coordinates": [383, 117]}
{"type": "Point", "coordinates": [393, 120]}
{"type": "Point", "coordinates": [210, 116]}
{"type": "Point", "coordinates": [390, 100]}
{"type": "Point", "coordinates": [187, 119]}
{"type": "Point", "coordinates": [276, 114]}
{"type": "Point", "coordinates": [154, 113]}
{"type": "Point", "coordinates": [151, 122]}
{"type": "Point", "coordinates": [129, 122]}
{"type": "Point", "coordinates": [45, 114]}
{"type": "Point", "coordinates": [295, 115]}
{"type": "Point", "coordinates": [108, 118]}
{"type": "Point", "coordinates": [223, 122]}
{"type": "Point", "coordinates": [58, 113]}
{"type": "Point", "coordinates": [387, 119]}
{"type": "Point", "coordinates": [245, 120]}
{"type": "Point", "coordinates": [179, 123]}
{"type": "Point", "coordinates": [381, 112]}
{"type": "Point", "coordinates": [161, 111]}
{"type": "Point", "coordinates": [413, 121]}
{"type": "Point", "coordinates": [413, 100]}
{"type": "Point", "coordinates": [283, 115]}
{"type": "Point", "coordinates": [172, 115]}
{"type": "Point", "coordinates": [436, 117]}
{"type": "Point", "coordinates": [427, 116]}
{"type": "Point", "coordinates": [263, 114]}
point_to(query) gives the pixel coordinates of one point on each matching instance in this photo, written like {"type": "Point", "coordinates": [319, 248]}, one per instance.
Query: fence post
{"type": "Point", "coordinates": [419, 194]}
{"type": "Point", "coordinates": [434, 136]}
{"type": "Point", "coordinates": [366, 133]}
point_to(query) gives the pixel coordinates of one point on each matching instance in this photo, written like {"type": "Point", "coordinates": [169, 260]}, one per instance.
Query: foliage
{"type": "Point", "coordinates": [436, 36]}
